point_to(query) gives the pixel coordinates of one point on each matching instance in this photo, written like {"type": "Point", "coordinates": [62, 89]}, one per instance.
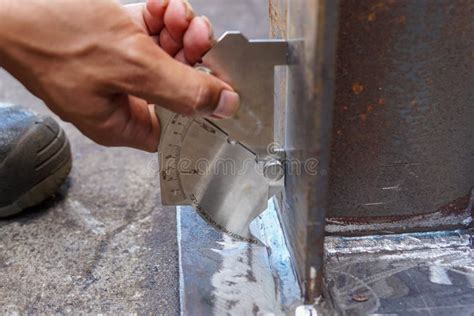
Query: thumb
{"type": "Point", "coordinates": [179, 87]}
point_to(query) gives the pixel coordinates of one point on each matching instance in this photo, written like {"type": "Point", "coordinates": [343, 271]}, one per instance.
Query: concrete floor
{"type": "Point", "coordinates": [104, 243]}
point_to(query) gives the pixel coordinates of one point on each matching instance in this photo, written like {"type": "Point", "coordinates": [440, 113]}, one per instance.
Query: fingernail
{"type": "Point", "coordinates": [229, 103]}
{"type": "Point", "coordinates": [189, 10]}
{"type": "Point", "coordinates": [210, 28]}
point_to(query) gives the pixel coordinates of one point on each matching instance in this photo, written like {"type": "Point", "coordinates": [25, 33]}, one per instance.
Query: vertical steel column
{"type": "Point", "coordinates": [402, 135]}
{"type": "Point", "coordinates": [307, 133]}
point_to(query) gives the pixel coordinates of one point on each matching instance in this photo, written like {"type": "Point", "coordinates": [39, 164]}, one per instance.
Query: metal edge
{"type": "Point", "coordinates": [271, 233]}
{"type": "Point", "coordinates": [180, 263]}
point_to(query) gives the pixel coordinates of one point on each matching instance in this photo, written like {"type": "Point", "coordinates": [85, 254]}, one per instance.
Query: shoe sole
{"type": "Point", "coordinates": [56, 155]}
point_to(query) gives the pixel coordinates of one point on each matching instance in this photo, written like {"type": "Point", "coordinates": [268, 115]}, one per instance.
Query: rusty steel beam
{"type": "Point", "coordinates": [403, 119]}
{"type": "Point", "coordinates": [305, 97]}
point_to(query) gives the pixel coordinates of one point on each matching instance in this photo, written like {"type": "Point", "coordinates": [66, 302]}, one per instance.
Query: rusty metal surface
{"type": "Point", "coordinates": [307, 123]}
{"type": "Point", "coordinates": [403, 120]}
{"type": "Point", "coordinates": [457, 214]}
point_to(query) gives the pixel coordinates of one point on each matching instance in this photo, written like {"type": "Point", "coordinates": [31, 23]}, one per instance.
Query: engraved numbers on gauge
{"type": "Point", "coordinates": [171, 151]}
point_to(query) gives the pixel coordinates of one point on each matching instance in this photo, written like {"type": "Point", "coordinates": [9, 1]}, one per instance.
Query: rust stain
{"type": "Point", "coordinates": [462, 205]}
{"type": "Point", "coordinates": [357, 88]}
{"type": "Point", "coordinates": [316, 88]}
{"type": "Point", "coordinates": [371, 17]}
{"type": "Point", "coordinates": [378, 5]}
{"type": "Point", "coordinates": [370, 108]}
{"type": "Point", "coordinates": [360, 298]}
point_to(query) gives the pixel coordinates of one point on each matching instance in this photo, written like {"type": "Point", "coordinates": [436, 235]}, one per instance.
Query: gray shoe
{"type": "Point", "coordinates": [35, 158]}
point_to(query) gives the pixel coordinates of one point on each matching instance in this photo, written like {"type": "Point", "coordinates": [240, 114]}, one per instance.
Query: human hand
{"type": "Point", "coordinates": [100, 66]}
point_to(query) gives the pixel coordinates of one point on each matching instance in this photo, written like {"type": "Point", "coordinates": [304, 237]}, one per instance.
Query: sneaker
{"type": "Point", "coordinates": [35, 158]}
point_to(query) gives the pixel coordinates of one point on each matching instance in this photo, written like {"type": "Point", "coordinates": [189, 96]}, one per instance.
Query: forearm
{"type": "Point", "coordinates": [15, 21]}
{"type": "Point", "coordinates": [6, 11]}
{"type": "Point", "coordinates": [98, 65]}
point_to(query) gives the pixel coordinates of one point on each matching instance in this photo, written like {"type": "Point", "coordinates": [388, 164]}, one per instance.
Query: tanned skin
{"type": "Point", "coordinates": [102, 66]}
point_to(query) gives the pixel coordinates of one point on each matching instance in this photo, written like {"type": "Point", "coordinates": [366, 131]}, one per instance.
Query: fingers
{"type": "Point", "coordinates": [166, 82]}
{"type": "Point", "coordinates": [137, 126]}
{"type": "Point", "coordinates": [132, 123]}
{"type": "Point", "coordinates": [153, 15]}
{"type": "Point", "coordinates": [180, 57]}
{"type": "Point", "coordinates": [142, 130]}
{"type": "Point", "coordinates": [168, 43]}
{"type": "Point", "coordinates": [190, 92]}
{"type": "Point", "coordinates": [177, 17]}
{"type": "Point", "coordinates": [180, 33]}
{"type": "Point", "coordinates": [198, 39]}
{"type": "Point", "coordinates": [173, 26]}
